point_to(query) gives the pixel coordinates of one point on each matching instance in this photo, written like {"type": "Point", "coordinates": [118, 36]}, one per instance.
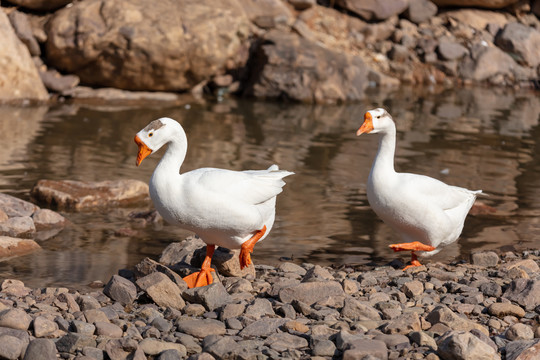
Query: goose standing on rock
{"type": "Point", "coordinates": [427, 213]}
{"type": "Point", "coordinates": [232, 209]}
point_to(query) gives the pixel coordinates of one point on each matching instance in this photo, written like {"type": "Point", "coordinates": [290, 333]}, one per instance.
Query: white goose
{"type": "Point", "coordinates": [233, 209]}
{"type": "Point", "coordinates": [425, 212]}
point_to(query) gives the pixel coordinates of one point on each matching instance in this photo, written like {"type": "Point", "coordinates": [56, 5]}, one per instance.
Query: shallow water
{"type": "Point", "coordinates": [476, 138]}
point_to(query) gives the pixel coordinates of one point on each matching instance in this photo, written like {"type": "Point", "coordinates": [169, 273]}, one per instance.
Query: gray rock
{"type": "Point", "coordinates": [311, 292]}
{"type": "Point", "coordinates": [72, 342]}
{"type": "Point", "coordinates": [19, 227]}
{"type": "Point", "coordinates": [259, 308]}
{"type": "Point", "coordinates": [194, 310]}
{"type": "Point", "coordinates": [344, 339]}
{"type": "Point", "coordinates": [464, 345]}
{"type": "Point", "coordinates": [282, 341]}
{"type": "Point", "coordinates": [56, 82]}
{"type": "Point", "coordinates": [81, 195]}
{"type": "Point", "coordinates": [522, 349]}
{"type": "Point", "coordinates": [119, 349]}
{"type": "Point", "coordinates": [10, 347]}
{"type": "Point", "coordinates": [211, 296]}
{"type": "Point", "coordinates": [178, 253]}
{"type": "Point", "coordinates": [393, 340]}
{"type": "Point", "coordinates": [154, 347]}
{"type": "Point", "coordinates": [522, 41]}
{"type": "Point", "coordinates": [519, 332]}
{"type": "Point", "coordinates": [219, 346]}
{"type": "Point", "coordinates": [87, 302]}
{"type": "Point", "coordinates": [41, 349]}
{"type": "Point", "coordinates": [357, 310]}
{"type": "Point", "coordinates": [490, 288]}
{"type": "Point", "coordinates": [82, 327]}
{"type": "Point", "coordinates": [120, 289]}
{"type": "Point", "coordinates": [403, 324]}
{"type": "Point", "coordinates": [200, 328]}
{"type": "Point", "coordinates": [94, 315]}
{"type": "Point", "coordinates": [162, 290]}
{"type": "Point", "coordinates": [262, 328]}
{"type": "Point", "coordinates": [421, 338]}
{"type": "Point", "coordinates": [15, 207]}
{"type": "Point", "coordinates": [449, 50]}
{"type": "Point", "coordinates": [420, 11]}
{"type": "Point", "coordinates": [525, 292]}
{"type": "Point", "coordinates": [485, 258]}
{"type": "Point", "coordinates": [373, 9]}
{"type": "Point", "coordinates": [107, 329]}
{"type": "Point", "coordinates": [21, 25]}
{"type": "Point", "coordinates": [94, 353]}
{"type": "Point", "coordinates": [45, 219]}
{"type": "Point", "coordinates": [413, 289]}
{"type": "Point", "coordinates": [231, 311]}
{"type": "Point", "coordinates": [317, 273]}
{"type": "Point", "coordinates": [161, 324]}
{"type": "Point", "coordinates": [148, 266]}
{"type": "Point", "coordinates": [292, 268]}
{"type": "Point", "coordinates": [361, 349]}
{"type": "Point", "coordinates": [171, 354]}
{"type": "Point", "coordinates": [15, 318]}
{"type": "Point", "coordinates": [44, 327]}
{"type": "Point", "coordinates": [323, 347]}
{"type": "Point", "coordinates": [442, 314]}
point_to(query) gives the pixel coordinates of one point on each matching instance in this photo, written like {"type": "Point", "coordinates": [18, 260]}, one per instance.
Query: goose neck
{"type": "Point", "coordinates": [174, 157]}
{"type": "Point", "coordinates": [384, 160]}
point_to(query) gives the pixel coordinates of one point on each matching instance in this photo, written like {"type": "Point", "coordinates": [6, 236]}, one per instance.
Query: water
{"type": "Point", "coordinates": [477, 138]}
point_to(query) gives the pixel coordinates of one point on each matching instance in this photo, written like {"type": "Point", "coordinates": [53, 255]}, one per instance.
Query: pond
{"type": "Point", "coordinates": [477, 138]}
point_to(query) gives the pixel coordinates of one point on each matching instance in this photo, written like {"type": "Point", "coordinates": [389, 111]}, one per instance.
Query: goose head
{"type": "Point", "coordinates": [376, 120]}
{"type": "Point", "coordinates": [156, 134]}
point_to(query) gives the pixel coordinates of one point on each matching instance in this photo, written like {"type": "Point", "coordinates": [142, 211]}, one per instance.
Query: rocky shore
{"type": "Point", "coordinates": [486, 309]}
{"type": "Point", "coordinates": [300, 50]}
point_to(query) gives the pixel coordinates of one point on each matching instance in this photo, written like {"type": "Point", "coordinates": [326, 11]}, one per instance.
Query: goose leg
{"type": "Point", "coordinates": [412, 247]}
{"type": "Point", "coordinates": [247, 248]}
{"type": "Point", "coordinates": [203, 277]}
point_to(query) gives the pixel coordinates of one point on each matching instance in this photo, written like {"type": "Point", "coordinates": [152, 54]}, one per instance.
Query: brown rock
{"type": "Point", "coordinates": [19, 226]}
{"type": "Point", "coordinates": [311, 292]}
{"type": "Point", "coordinates": [445, 316]}
{"type": "Point", "coordinates": [84, 195]}
{"type": "Point", "coordinates": [271, 9]}
{"type": "Point", "coordinates": [11, 247]}
{"type": "Point", "coordinates": [162, 290]}
{"type": "Point", "coordinates": [19, 78]}
{"type": "Point", "coordinates": [523, 42]}
{"type": "Point", "coordinates": [41, 5]}
{"type": "Point", "coordinates": [489, 4]}
{"type": "Point", "coordinates": [142, 45]}
{"type": "Point", "coordinates": [464, 345]}
{"type": "Point", "coordinates": [47, 219]}
{"type": "Point", "coordinates": [501, 310]}
{"type": "Point", "coordinates": [148, 266]}
{"type": "Point", "coordinates": [375, 9]}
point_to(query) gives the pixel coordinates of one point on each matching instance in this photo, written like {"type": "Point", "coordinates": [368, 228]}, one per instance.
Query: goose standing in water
{"type": "Point", "coordinates": [427, 213]}
{"type": "Point", "coordinates": [232, 209]}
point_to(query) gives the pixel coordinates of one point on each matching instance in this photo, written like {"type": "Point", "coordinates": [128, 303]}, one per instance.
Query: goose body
{"type": "Point", "coordinates": [223, 207]}
{"type": "Point", "coordinates": [427, 213]}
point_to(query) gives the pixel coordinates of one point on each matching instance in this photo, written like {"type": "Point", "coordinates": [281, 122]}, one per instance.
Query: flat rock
{"type": "Point", "coordinates": [262, 328]}
{"type": "Point", "coordinates": [84, 195]}
{"type": "Point", "coordinates": [18, 227]}
{"type": "Point", "coordinates": [200, 328]}
{"type": "Point", "coordinates": [283, 341]}
{"type": "Point", "coordinates": [449, 50]}
{"type": "Point", "coordinates": [211, 296]}
{"type": "Point", "coordinates": [45, 219]}
{"type": "Point", "coordinates": [108, 329]}
{"type": "Point", "coordinates": [14, 207]}
{"type": "Point", "coordinates": [11, 247]}
{"type": "Point", "coordinates": [154, 347]}
{"type": "Point", "coordinates": [360, 349]}
{"type": "Point", "coordinates": [464, 345]}
{"type": "Point", "coordinates": [72, 342]}
{"type": "Point", "coordinates": [148, 266]}
{"type": "Point", "coordinates": [375, 9]}
{"type": "Point", "coordinates": [420, 11]}
{"type": "Point", "coordinates": [403, 324]}
{"type": "Point", "coordinates": [311, 292]}
{"type": "Point", "coordinates": [357, 310]}
{"type": "Point", "coordinates": [162, 290]}
{"type": "Point", "coordinates": [120, 289]}
{"type": "Point", "coordinates": [445, 316]}
{"type": "Point", "coordinates": [501, 310]}
{"type": "Point", "coordinates": [525, 292]}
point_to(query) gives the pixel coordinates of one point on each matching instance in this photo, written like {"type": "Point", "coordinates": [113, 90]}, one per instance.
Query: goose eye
{"type": "Point", "coordinates": [151, 134]}
{"type": "Point", "coordinates": [378, 117]}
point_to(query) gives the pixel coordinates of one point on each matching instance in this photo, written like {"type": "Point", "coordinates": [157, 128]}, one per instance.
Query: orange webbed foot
{"type": "Point", "coordinates": [200, 278]}
{"type": "Point", "coordinates": [412, 246]}
{"type": "Point", "coordinates": [247, 248]}
{"type": "Point", "coordinates": [414, 263]}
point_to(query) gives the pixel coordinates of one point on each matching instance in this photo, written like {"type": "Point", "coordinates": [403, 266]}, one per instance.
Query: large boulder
{"type": "Point", "coordinates": [86, 195]}
{"type": "Point", "coordinates": [146, 45]}
{"type": "Point", "coordinates": [375, 9]}
{"type": "Point", "coordinates": [523, 42]}
{"type": "Point", "coordinates": [290, 67]}
{"type": "Point", "coordinates": [19, 78]}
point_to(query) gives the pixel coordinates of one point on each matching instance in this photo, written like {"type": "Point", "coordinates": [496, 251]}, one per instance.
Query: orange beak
{"type": "Point", "coordinates": [144, 150]}
{"type": "Point", "coordinates": [367, 126]}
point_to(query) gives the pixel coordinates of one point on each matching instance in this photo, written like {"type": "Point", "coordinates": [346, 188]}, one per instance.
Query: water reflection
{"type": "Point", "coordinates": [478, 138]}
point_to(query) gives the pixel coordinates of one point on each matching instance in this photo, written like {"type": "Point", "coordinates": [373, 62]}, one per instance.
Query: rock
{"type": "Point", "coordinates": [522, 42]}
{"type": "Point", "coordinates": [107, 329]}
{"type": "Point", "coordinates": [317, 273]}
{"type": "Point", "coordinates": [23, 29]}
{"type": "Point", "coordinates": [19, 79]}
{"type": "Point", "coordinates": [491, 289]}
{"type": "Point", "coordinates": [72, 342]}
{"type": "Point", "coordinates": [501, 310]}
{"type": "Point", "coordinates": [56, 82]}
{"type": "Point", "coordinates": [311, 292]}
{"type": "Point", "coordinates": [403, 324]}
{"type": "Point", "coordinates": [292, 268]}
{"type": "Point", "coordinates": [148, 266]}
{"type": "Point", "coordinates": [423, 339]}
{"type": "Point", "coordinates": [267, 11]}
{"type": "Point", "coordinates": [288, 66]}
{"type": "Point", "coordinates": [99, 95]}
{"type": "Point", "coordinates": [84, 195]}
{"type": "Point", "coordinates": [184, 51]}
{"type": "Point", "coordinates": [14, 287]}
{"type": "Point", "coordinates": [323, 347]}
{"type": "Point", "coordinates": [45, 219]}
{"type": "Point", "coordinates": [14, 207]}
{"type": "Point", "coordinates": [449, 50]}
{"type": "Point", "coordinates": [40, 349]}
{"type": "Point", "coordinates": [15, 318]}
{"type": "Point", "coordinates": [171, 354]}
{"type": "Point", "coordinates": [200, 328]}
{"type": "Point", "coordinates": [178, 253]}
{"type": "Point", "coordinates": [519, 332]}
{"type": "Point", "coordinates": [489, 4]}
{"type": "Point", "coordinates": [162, 290]}
{"type": "Point", "coordinates": [154, 347]}
{"type": "Point", "coordinates": [464, 345]}
{"type": "Point", "coordinates": [262, 328]}
{"type": "Point", "coordinates": [393, 340]}
{"type": "Point", "coordinates": [82, 328]}
{"type": "Point", "coordinates": [283, 341]}
{"type": "Point", "coordinates": [220, 347]}
{"type": "Point", "coordinates": [361, 349]}
{"type": "Point", "coordinates": [528, 265]}
{"type": "Point", "coordinates": [413, 289]}
{"type": "Point", "coordinates": [259, 308]}
{"type": "Point", "coordinates": [232, 311]}
{"type": "Point", "coordinates": [10, 347]}
{"type": "Point", "coordinates": [302, 4]}
{"type": "Point", "coordinates": [211, 296]}
{"type": "Point", "coordinates": [523, 350]}
{"type": "Point", "coordinates": [41, 5]}
{"type": "Point", "coordinates": [356, 310]}
{"type": "Point", "coordinates": [445, 316]}
{"type": "Point", "coordinates": [11, 247]}
{"type": "Point", "coordinates": [420, 11]}
{"type": "Point", "coordinates": [121, 289]}
{"type": "Point", "coordinates": [227, 263]}
{"type": "Point", "coordinates": [524, 292]}
{"type": "Point", "coordinates": [18, 227]}
{"type": "Point", "coordinates": [373, 9]}
{"type": "Point", "coordinates": [44, 327]}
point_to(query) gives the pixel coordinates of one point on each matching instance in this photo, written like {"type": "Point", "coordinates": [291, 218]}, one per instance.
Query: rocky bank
{"type": "Point", "coordinates": [300, 50]}
{"type": "Point", "coordinates": [486, 309]}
